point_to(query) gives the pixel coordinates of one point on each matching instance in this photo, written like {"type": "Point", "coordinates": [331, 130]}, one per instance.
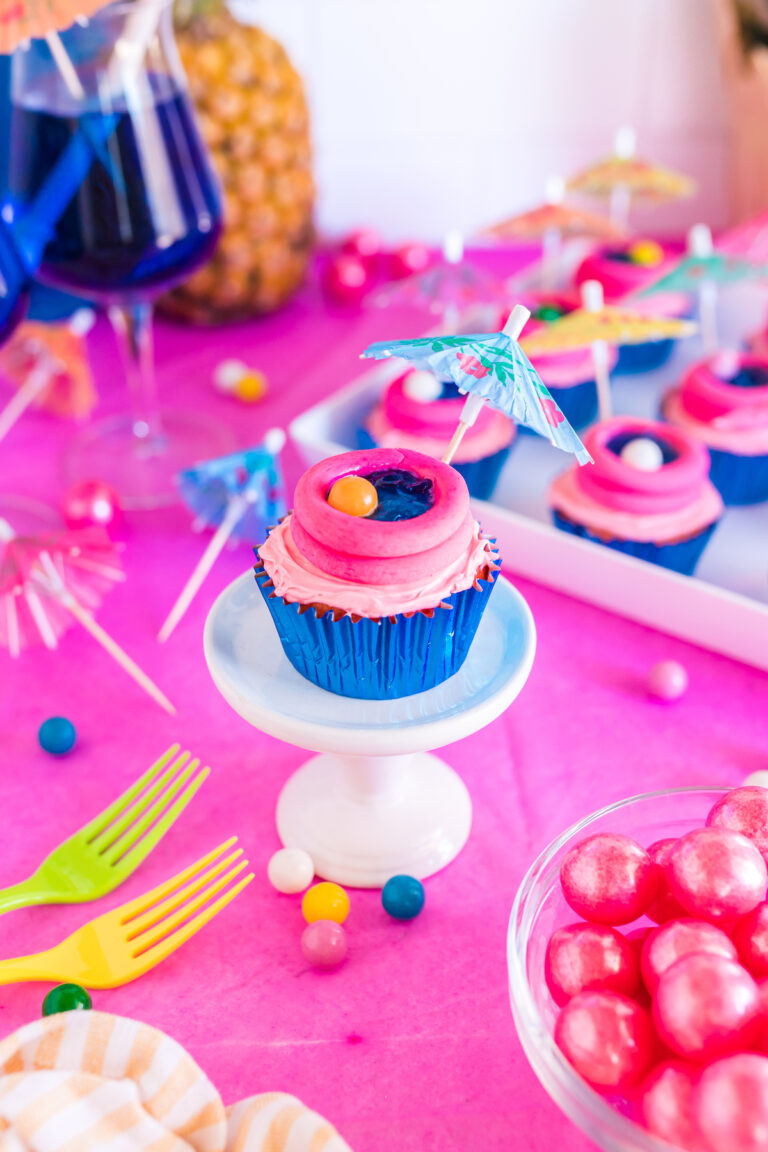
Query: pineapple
{"type": "Point", "coordinates": [253, 117]}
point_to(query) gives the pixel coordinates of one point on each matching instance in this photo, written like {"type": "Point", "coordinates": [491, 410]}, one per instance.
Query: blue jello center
{"type": "Point", "coordinates": [402, 495]}
{"type": "Point", "coordinates": [749, 376]}
{"type": "Point", "coordinates": [620, 255]}
{"type": "Point", "coordinates": [449, 391]}
{"type": "Point", "coordinates": [620, 441]}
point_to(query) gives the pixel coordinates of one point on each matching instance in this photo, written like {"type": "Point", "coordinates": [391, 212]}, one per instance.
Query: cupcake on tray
{"type": "Point", "coordinates": [378, 578]}
{"type": "Point", "coordinates": [647, 494]}
{"type": "Point", "coordinates": [723, 401]}
{"type": "Point", "coordinates": [626, 268]}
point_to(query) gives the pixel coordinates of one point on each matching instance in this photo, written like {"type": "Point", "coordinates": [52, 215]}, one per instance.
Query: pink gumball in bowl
{"type": "Point", "coordinates": [617, 1052]}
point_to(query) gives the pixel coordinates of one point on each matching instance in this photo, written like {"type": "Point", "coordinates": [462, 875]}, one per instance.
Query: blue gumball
{"type": "Point", "coordinates": [57, 735]}
{"type": "Point", "coordinates": [403, 897]}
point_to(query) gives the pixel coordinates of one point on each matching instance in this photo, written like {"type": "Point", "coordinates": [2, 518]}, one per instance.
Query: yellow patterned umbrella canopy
{"type": "Point", "coordinates": [582, 328]}
{"type": "Point", "coordinates": [640, 177]}
{"type": "Point", "coordinates": [560, 218]}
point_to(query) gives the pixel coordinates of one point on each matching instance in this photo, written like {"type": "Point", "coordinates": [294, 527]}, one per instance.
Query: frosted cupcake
{"type": "Point", "coordinates": [723, 401]}
{"type": "Point", "coordinates": [420, 413]}
{"type": "Point", "coordinates": [647, 494]}
{"type": "Point", "coordinates": [569, 376]}
{"type": "Point", "coordinates": [378, 578]}
{"type": "Point", "coordinates": [628, 268]}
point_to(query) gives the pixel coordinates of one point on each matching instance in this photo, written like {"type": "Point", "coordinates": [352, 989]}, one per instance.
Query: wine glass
{"type": "Point", "coordinates": [144, 210]}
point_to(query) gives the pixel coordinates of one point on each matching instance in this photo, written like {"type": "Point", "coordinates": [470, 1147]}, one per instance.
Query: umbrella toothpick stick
{"type": "Point", "coordinates": [625, 145]}
{"type": "Point", "coordinates": [552, 241]}
{"type": "Point", "coordinates": [473, 405]}
{"type": "Point", "coordinates": [205, 563]}
{"type": "Point", "coordinates": [54, 585]}
{"type": "Point", "coordinates": [700, 246]}
{"type": "Point", "coordinates": [593, 300]}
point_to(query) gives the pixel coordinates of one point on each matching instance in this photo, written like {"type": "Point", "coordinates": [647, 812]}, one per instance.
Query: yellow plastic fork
{"type": "Point", "coordinates": [119, 946]}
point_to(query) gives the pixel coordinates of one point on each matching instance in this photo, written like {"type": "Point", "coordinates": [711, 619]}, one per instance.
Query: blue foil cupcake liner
{"type": "Point", "coordinates": [481, 476]}
{"type": "Point", "coordinates": [681, 556]}
{"type": "Point", "coordinates": [739, 479]}
{"type": "Point", "coordinates": [378, 659]}
{"type": "Point", "coordinates": [643, 357]}
{"type": "Point", "coordinates": [578, 403]}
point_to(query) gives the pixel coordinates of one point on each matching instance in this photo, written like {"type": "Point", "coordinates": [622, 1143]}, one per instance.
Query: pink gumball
{"type": "Point", "coordinates": [407, 260]}
{"type": "Point", "coordinates": [744, 810]}
{"type": "Point", "coordinates": [609, 878]}
{"type": "Point", "coordinates": [324, 943]}
{"type": "Point", "coordinates": [587, 957]}
{"type": "Point", "coordinates": [365, 243]}
{"type": "Point", "coordinates": [751, 939]}
{"type": "Point", "coordinates": [667, 944]}
{"type": "Point", "coordinates": [717, 874]}
{"type": "Point", "coordinates": [666, 1105]}
{"type": "Point", "coordinates": [89, 503]}
{"type": "Point", "coordinates": [344, 279]}
{"type": "Point", "coordinates": [607, 1037]}
{"type": "Point", "coordinates": [730, 1104]}
{"type": "Point", "coordinates": [668, 681]}
{"type": "Point", "coordinates": [665, 906]}
{"type": "Point", "coordinates": [707, 1006]}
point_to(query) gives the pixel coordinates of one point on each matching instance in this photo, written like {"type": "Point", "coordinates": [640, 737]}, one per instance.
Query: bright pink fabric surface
{"type": "Point", "coordinates": [411, 1045]}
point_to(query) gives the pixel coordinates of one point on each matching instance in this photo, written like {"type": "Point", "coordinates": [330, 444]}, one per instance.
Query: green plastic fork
{"type": "Point", "coordinates": [107, 851]}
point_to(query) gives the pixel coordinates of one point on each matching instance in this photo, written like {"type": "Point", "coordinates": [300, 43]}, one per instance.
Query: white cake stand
{"type": "Point", "coordinates": [375, 802]}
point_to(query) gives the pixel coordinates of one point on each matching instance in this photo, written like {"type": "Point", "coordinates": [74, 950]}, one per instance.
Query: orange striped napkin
{"type": "Point", "coordinates": [91, 1082]}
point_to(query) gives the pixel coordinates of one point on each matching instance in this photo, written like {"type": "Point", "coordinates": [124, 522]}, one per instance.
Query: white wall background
{"type": "Point", "coordinates": [432, 114]}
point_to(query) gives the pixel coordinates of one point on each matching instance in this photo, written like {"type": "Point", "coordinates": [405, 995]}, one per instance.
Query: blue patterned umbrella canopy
{"type": "Point", "coordinates": [492, 367]}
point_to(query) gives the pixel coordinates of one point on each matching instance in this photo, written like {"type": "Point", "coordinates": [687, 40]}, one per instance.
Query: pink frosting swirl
{"type": "Point", "coordinates": [620, 277]}
{"type": "Point", "coordinates": [376, 551]}
{"type": "Point", "coordinates": [613, 483]}
{"type": "Point", "coordinates": [710, 399]}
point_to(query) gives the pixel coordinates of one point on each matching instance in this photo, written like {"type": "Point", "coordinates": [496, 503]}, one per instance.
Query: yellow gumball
{"type": "Point", "coordinates": [251, 386]}
{"type": "Point", "coordinates": [646, 253]}
{"type": "Point", "coordinates": [354, 495]}
{"type": "Point", "coordinates": [325, 901]}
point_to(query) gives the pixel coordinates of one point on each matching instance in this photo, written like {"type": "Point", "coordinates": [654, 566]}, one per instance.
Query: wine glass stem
{"type": "Point", "coordinates": [133, 329]}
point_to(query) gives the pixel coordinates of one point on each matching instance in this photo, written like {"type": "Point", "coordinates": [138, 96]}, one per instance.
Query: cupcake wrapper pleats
{"type": "Point", "coordinates": [679, 556]}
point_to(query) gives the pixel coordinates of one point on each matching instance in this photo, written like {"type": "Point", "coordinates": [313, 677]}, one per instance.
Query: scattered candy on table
{"type": "Point", "coordinates": [668, 681]}
{"type": "Point", "coordinates": [354, 495]}
{"type": "Point", "coordinates": [235, 378]}
{"type": "Point", "coordinates": [324, 943]}
{"type": "Point", "coordinates": [403, 897]}
{"type": "Point", "coordinates": [345, 279]}
{"type": "Point", "coordinates": [57, 735]}
{"type": "Point", "coordinates": [325, 901]}
{"type": "Point", "coordinates": [91, 502]}
{"type": "Point", "coordinates": [408, 259]}
{"type": "Point", "coordinates": [290, 870]}
{"type": "Point", "coordinates": [66, 998]}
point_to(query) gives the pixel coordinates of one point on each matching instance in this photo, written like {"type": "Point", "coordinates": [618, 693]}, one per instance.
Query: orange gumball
{"type": "Point", "coordinates": [354, 495]}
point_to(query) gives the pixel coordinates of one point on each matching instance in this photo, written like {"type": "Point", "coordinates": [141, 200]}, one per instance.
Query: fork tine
{"type": "Point", "coordinates": [137, 829]}
{"type": "Point", "coordinates": [99, 823]}
{"type": "Point", "coordinates": [160, 951]}
{"type": "Point", "coordinates": [145, 845]}
{"type": "Point", "coordinates": [145, 940]}
{"type": "Point", "coordinates": [142, 903]}
{"type": "Point", "coordinates": [148, 919]}
{"type": "Point", "coordinates": [107, 838]}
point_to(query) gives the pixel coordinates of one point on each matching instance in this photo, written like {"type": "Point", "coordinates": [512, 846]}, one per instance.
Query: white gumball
{"type": "Point", "coordinates": [228, 374]}
{"type": "Point", "coordinates": [759, 778]}
{"type": "Point", "coordinates": [422, 386]}
{"type": "Point", "coordinates": [643, 454]}
{"type": "Point", "coordinates": [291, 870]}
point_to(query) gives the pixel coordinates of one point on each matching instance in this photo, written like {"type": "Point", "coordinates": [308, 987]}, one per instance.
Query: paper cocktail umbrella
{"type": "Point", "coordinates": [623, 175]}
{"type": "Point", "coordinates": [552, 223]}
{"type": "Point", "coordinates": [446, 289]}
{"type": "Point", "coordinates": [47, 365]}
{"type": "Point", "coordinates": [748, 240]}
{"type": "Point", "coordinates": [702, 270]}
{"type": "Point", "coordinates": [240, 496]}
{"type": "Point", "coordinates": [490, 368]}
{"type": "Point", "coordinates": [595, 326]}
{"type": "Point", "coordinates": [47, 582]}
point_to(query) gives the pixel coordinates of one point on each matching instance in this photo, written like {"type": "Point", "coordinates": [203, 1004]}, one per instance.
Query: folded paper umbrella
{"type": "Point", "coordinates": [748, 240]}
{"type": "Point", "coordinates": [552, 223]}
{"type": "Point", "coordinates": [47, 582]}
{"type": "Point", "coordinates": [48, 367]}
{"type": "Point", "coordinates": [596, 325]}
{"type": "Point", "coordinates": [702, 270]}
{"type": "Point", "coordinates": [447, 289]}
{"type": "Point", "coordinates": [490, 368]}
{"type": "Point", "coordinates": [623, 176]}
{"type": "Point", "coordinates": [240, 496]}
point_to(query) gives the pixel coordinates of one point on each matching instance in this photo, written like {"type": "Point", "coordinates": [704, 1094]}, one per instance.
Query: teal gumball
{"type": "Point", "coordinates": [403, 897]}
{"type": "Point", "coordinates": [57, 735]}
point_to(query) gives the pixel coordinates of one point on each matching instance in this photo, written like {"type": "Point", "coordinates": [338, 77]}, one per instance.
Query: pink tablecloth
{"type": "Point", "coordinates": [410, 1046]}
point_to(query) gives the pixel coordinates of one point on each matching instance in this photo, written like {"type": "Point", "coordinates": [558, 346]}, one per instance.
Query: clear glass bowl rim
{"type": "Point", "coordinates": [584, 1106]}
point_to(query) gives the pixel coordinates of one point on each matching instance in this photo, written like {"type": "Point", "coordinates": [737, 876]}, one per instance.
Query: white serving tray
{"type": "Point", "coordinates": [723, 608]}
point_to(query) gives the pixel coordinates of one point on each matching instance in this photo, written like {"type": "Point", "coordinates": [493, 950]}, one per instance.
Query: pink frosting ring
{"type": "Point", "coordinates": [706, 396]}
{"type": "Point", "coordinates": [619, 277]}
{"type": "Point", "coordinates": [616, 484]}
{"type": "Point", "coordinates": [431, 418]}
{"type": "Point", "coordinates": [332, 536]}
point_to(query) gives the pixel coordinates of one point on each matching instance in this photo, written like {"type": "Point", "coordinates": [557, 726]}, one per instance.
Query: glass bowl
{"type": "Point", "coordinates": [538, 910]}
